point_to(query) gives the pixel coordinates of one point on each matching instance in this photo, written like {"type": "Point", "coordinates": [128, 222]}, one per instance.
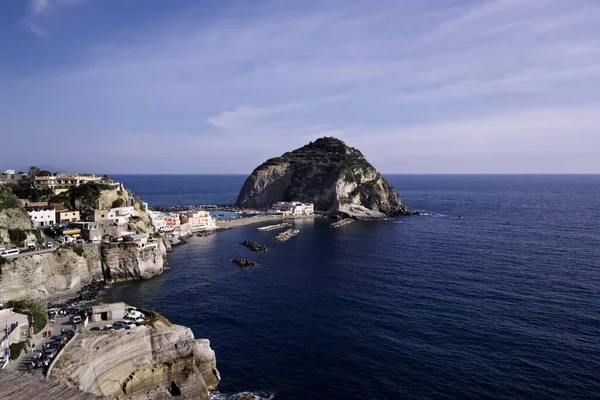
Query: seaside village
{"type": "Point", "coordinates": [69, 226]}
{"type": "Point", "coordinates": [56, 224]}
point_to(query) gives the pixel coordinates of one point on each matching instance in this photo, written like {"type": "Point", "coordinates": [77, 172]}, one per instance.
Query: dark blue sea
{"type": "Point", "coordinates": [503, 302]}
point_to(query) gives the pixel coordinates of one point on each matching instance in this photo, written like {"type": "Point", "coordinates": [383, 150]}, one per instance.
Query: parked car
{"type": "Point", "coordinates": [49, 245]}
{"type": "Point", "coordinates": [108, 328]}
{"type": "Point", "coordinates": [76, 319]}
{"type": "Point", "coordinates": [80, 241]}
{"type": "Point", "coordinates": [95, 328]}
{"type": "Point", "coordinates": [9, 253]}
{"type": "Point", "coordinates": [50, 353]}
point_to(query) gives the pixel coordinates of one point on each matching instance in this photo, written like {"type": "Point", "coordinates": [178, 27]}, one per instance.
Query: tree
{"type": "Point", "coordinates": [33, 171]}
{"type": "Point", "coordinates": [44, 172]}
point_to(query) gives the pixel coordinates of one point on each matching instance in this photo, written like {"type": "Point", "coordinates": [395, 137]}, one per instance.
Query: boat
{"type": "Point", "coordinates": [221, 214]}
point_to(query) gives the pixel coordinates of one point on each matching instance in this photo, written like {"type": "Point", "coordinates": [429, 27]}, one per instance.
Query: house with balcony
{"type": "Point", "coordinates": [62, 182]}
{"type": "Point", "coordinates": [198, 221]}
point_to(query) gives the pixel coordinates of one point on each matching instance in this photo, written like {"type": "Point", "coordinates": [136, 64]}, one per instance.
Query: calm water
{"type": "Point", "coordinates": [501, 303]}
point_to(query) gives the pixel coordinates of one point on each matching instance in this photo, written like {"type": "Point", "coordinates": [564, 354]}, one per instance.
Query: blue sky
{"type": "Point", "coordinates": [437, 86]}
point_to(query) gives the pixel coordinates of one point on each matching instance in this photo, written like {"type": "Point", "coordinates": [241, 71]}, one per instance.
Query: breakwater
{"type": "Point", "coordinates": [257, 248]}
{"type": "Point", "coordinates": [273, 227]}
{"type": "Point", "coordinates": [342, 222]}
{"type": "Point", "coordinates": [287, 235]}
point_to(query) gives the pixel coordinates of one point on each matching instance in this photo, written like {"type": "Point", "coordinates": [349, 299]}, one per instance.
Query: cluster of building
{"type": "Point", "coordinates": [182, 224]}
{"type": "Point", "coordinates": [10, 176]}
{"type": "Point", "coordinates": [292, 208]}
{"type": "Point", "coordinates": [96, 225]}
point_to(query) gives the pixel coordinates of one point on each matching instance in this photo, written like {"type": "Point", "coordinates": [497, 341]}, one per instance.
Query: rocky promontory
{"type": "Point", "coordinates": [155, 361]}
{"type": "Point", "coordinates": [335, 177]}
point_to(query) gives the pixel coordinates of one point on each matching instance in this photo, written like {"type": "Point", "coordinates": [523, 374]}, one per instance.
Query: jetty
{"type": "Point", "coordinates": [273, 227]}
{"type": "Point", "coordinates": [287, 235]}
{"type": "Point", "coordinates": [243, 262]}
{"type": "Point", "coordinates": [258, 248]}
{"type": "Point", "coordinates": [342, 222]}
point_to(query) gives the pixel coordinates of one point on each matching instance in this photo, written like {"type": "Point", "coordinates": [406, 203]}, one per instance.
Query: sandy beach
{"type": "Point", "coordinates": [254, 220]}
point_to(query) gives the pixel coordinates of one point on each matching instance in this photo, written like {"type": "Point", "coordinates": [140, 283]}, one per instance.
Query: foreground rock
{"type": "Point", "coordinates": [336, 178]}
{"type": "Point", "coordinates": [243, 262]}
{"type": "Point", "coordinates": [149, 362]}
{"type": "Point", "coordinates": [258, 248]}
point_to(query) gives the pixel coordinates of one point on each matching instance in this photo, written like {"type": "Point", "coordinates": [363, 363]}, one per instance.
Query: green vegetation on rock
{"type": "Point", "coordinates": [118, 203]}
{"type": "Point", "coordinates": [34, 309]}
{"type": "Point", "coordinates": [78, 250]}
{"type": "Point", "coordinates": [8, 200]}
{"type": "Point", "coordinates": [17, 236]}
{"type": "Point", "coordinates": [16, 349]}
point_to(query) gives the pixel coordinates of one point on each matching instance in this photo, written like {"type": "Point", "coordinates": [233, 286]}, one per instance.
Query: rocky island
{"type": "Point", "coordinates": [335, 177]}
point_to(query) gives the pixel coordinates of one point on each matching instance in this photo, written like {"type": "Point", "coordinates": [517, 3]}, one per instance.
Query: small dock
{"type": "Point", "coordinates": [273, 227]}
{"type": "Point", "coordinates": [342, 222]}
{"type": "Point", "coordinates": [287, 235]}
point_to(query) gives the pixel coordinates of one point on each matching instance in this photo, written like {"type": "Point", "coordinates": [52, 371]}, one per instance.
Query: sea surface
{"type": "Point", "coordinates": [493, 294]}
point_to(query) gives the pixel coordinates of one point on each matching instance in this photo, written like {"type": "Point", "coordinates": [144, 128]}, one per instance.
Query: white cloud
{"type": "Point", "coordinates": [393, 72]}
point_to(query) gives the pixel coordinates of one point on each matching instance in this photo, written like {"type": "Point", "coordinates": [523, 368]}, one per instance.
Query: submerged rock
{"type": "Point", "coordinates": [258, 248]}
{"type": "Point", "coordinates": [335, 177]}
{"type": "Point", "coordinates": [243, 262]}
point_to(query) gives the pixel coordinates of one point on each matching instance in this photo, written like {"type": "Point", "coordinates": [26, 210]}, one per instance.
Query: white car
{"type": "Point", "coordinates": [132, 315]}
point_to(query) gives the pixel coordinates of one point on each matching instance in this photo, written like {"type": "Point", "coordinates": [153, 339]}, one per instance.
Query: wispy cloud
{"type": "Point", "coordinates": [40, 10]}
{"type": "Point", "coordinates": [391, 72]}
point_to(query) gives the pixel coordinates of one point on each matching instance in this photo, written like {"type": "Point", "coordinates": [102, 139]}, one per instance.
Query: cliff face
{"type": "Point", "coordinates": [145, 362]}
{"type": "Point", "coordinates": [14, 217]}
{"type": "Point", "coordinates": [124, 261]}
{"type": "Point", "coordinates": [40, 275]}
{"type": "Point", "coordinates": [336, 178]}
{"type": "Point", "coordinates": [62, 272]}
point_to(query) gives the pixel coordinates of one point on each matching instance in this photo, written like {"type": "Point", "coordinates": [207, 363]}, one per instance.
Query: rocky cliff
{"type": "Point", "coordinates": [15, 226]}
{"type": "Point", "coordinates": [125, 261]}
{"type": "Point", "coordinates": [62, 272]}
{"type": "Point", "coordinates": [38, 276]}
{"type": "Point", "coordinates": [146, 363]}
{"type": "Point", "coordinates": [335, 177]}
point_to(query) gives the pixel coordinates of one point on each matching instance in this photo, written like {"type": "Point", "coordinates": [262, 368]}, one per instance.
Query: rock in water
{"type": "Point", "coordinates": [335, 177]}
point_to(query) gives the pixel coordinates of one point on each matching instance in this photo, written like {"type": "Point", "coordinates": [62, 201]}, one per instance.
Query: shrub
{"type": "Point", "coordinates": [2, 260]}
{"type": "Point", "coordinates": [118, 203]}
{"type": "Point", "coordinates": [17, 235]}
{"type": "Point", "coordinates": [8, 199]}
{"type": "Point", "coordinates": [16, 349]}
{"type": "Point", "coordinates": [35, 310]}
{"type": "Point", "coordinates": [78, 250]}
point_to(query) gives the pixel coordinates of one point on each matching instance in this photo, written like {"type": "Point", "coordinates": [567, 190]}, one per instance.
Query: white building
{"type": "Point", "coordinates": [41, 215]}
{"type": "Point", "coordinates": [158, 221]}
{"type": "Point", "coordinates": [120, 215]}
{"type": "Point", "coordinates": [293, 208]}
{"type": "Point", "coordinates": [62, 182]}
{"type": "Point", "coordinates": [198, 221]}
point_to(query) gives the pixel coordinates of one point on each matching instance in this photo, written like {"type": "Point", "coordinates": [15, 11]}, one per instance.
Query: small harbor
{"type": "Point", "coordinates": [274, 227]}
{"type": "Point", "coordinates": [287, 235]}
